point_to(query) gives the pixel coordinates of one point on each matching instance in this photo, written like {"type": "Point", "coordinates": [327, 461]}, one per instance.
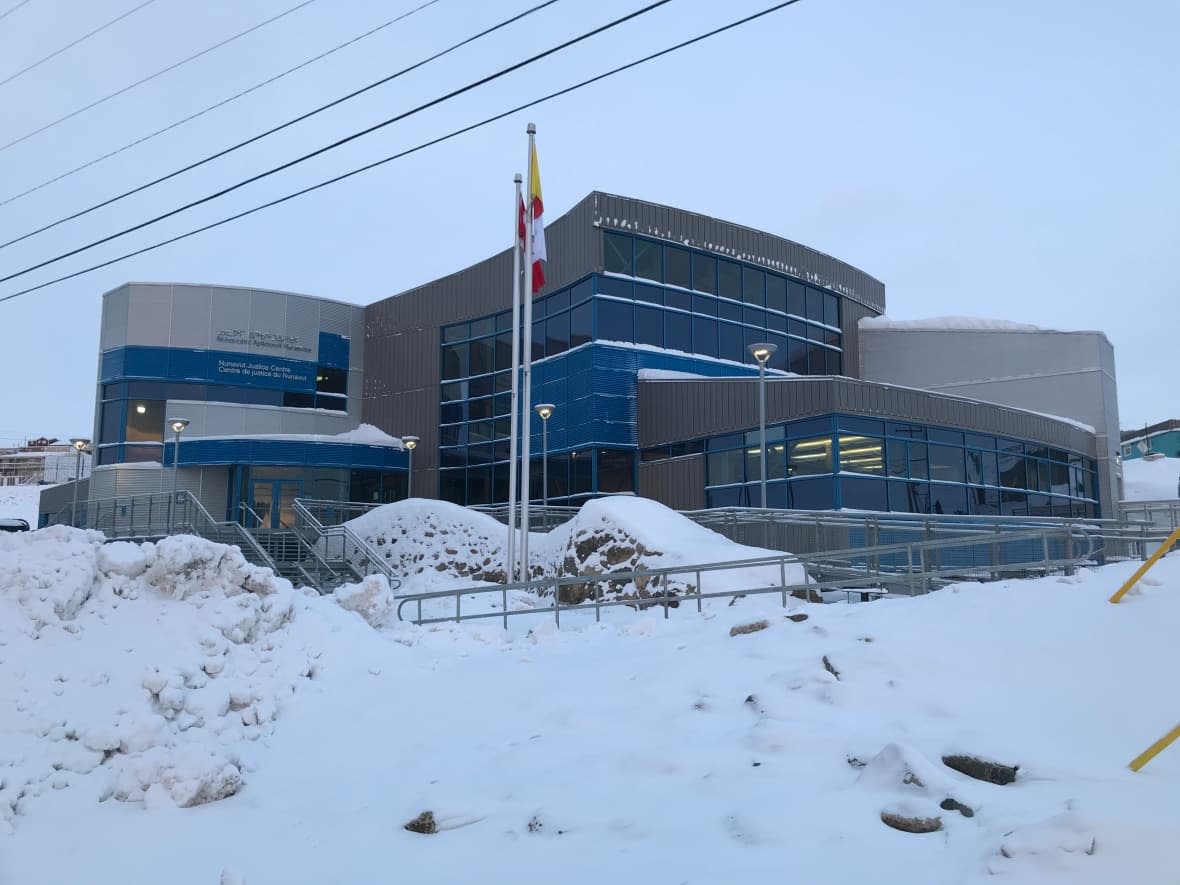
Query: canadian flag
{"type": "Point", "coordinates": [538, 231]}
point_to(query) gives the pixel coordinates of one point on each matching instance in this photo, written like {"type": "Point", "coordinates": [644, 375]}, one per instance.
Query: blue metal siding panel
{"type": "Point", "coordinates": [334, 350]}
{"type": "Point", "coordinates": [284, 452]}
{"type": "Point", "coordinates": [213, 366]}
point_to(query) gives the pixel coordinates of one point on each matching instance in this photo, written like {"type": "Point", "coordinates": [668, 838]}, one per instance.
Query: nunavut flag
{"type": "Point", "coordinates": [537, 234]}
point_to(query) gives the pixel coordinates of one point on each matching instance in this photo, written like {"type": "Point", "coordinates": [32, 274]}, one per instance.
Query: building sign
{"type": "Point", "coordinates": [271, 340]}
{"type": "Point", "coordinates": [262, 372]}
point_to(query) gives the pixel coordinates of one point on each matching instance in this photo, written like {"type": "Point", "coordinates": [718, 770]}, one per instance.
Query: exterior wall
{"type": "Point", "coordinates": [1071, 374]}
{"type": "Point", "coordinates": [678, 483]}
{"type": "Point", "coordinates": [403, 333]}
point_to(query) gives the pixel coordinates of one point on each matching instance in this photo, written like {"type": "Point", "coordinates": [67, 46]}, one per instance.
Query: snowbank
{"type": "Point", "coordinates": [948, 324]}
{"type": "Point", "coordinates": [1151, 480]}
{"type": "Point", "coordinates": [21, 502]}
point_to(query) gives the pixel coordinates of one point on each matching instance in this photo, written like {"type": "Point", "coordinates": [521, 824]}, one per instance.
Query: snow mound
{"type": "Point", "coordinates": [1151, 480]}
{"type": "Point", "coordinates": [137, 671]}
{"type": "Point", "coordinates": [416, 536]}
{"type": "Point", "coordinates": [948, 324]}
{"type": "Point", "coordinates": [372, 599]}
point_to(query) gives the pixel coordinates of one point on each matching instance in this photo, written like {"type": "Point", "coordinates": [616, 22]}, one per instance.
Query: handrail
{"type": "Point", "coordinates": [368, 554]}
{"type": "Point", "coordinates": [915, 551]}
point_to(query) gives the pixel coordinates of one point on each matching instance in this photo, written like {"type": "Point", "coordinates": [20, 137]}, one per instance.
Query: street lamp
{"type": "Point", "coordinates": [79, 445]}
{"type": "Point", "coordinates": [411, 443]}
{"type": "Point", "coordinates": [177, 425]}
{"type": "Point", "coordinates": [762, 353]}
{"type": "Point", "coordinates": [545, 410]}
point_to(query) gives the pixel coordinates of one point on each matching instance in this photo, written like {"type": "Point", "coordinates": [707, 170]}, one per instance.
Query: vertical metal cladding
{"type": "Point", "coordinates": [678, 483]}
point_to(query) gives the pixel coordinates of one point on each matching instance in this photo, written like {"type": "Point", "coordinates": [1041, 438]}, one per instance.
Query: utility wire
{"type": "Point", "coordinates": [426, 144]}
{"type": "Point", "coordinates": [216, 105]}
{"type": "Point", "coordinates": [341, 141]}
{"type": "Point", "coordinates": [241, 144]}
{"type": "Point", "coordinates": [150, 77]}
{"type": "Point", "coordinates": [74, 43]}
{"type": "Point", "coordinates": [6, 13]}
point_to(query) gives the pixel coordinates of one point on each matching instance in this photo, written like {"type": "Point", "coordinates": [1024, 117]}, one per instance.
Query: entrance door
{"type": "Point", "coordinates": [274, 501]}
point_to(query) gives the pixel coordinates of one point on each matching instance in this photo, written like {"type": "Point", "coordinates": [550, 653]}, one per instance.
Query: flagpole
{"type": "Point", "coordinates": [526, 406]}
{"type": "Point", "coordinates": [510, 570]}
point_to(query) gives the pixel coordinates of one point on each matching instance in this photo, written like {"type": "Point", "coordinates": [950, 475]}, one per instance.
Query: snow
{"type": "Point", "coordinates": [1154, 479]}
{"type": "Point", "coordinates": [21, 502]}
{"type": "Point", "coordinates": [173, 714]}
{"type": "Point", "coordinates": [668, 375]}
{"type": "Point", "coordinates": [364, 434]}
{"type": "Point", "coordinates": [948, 324]}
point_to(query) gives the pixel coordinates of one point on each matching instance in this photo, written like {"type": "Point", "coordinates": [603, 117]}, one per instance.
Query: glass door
{"type": "Point", "coordinates": [274, 501]}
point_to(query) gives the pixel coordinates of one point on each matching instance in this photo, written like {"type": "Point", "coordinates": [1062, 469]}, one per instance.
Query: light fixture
{"type": "Point", "coordinates": [79, 443]}
{"type": "Point", "coordinates": [410, 443]}
{"type": "Point", "coordinates": [178, 425]}
{"type": "Point", "coordinates": [762, 353]}
{"type": "Point", "coordinates": [140, 409]}
{"type": "Point", "coordinates": [545, 410]}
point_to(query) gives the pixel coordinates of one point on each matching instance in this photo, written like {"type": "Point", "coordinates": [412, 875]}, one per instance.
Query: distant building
{"type": "Point", "coordinates": [1162, 438]}
{"type": "Point", "coordinates": [41, 461]}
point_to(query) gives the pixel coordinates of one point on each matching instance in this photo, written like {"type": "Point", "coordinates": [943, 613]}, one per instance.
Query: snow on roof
{"type": "Point", "coordinates": [1154, 479]}
{"type": "Point", "coordinates": [668, 375]}
{"type": "Point", "coordinates": [363, 435]}
{"type": "Point", "coordinates": [948, 324]}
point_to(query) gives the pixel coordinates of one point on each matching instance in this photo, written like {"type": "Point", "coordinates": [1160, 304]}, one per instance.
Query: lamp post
{"type": "Point", "coordinates": [177, 425]}
{"type": "Point", "coordinates": [545, 410]}
{"type": "Point", "coordinates": [79, 445]}
{"type": "Point", "coordinates": [762, 353]}
{"type": "Point", "coordinates": [411, 443]}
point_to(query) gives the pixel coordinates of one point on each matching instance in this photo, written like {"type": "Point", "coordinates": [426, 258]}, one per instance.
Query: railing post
{"type": "Point", "coordinates": [782, 578]}
{"type": "Point", "coordinates": [700, 590]}
{"type": "Point", "coordinates": [1045, 548]}
{"type": "Point", "coordinates": [909, 569]}
{"type": "Point", "coordinates": [505, 598]}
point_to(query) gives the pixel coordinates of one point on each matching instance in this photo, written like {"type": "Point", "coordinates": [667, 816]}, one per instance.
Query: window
{"type": "Point", "coordinates": [110, 423]}
{"type": "Point", "coordinates": [704, 274]}
{"type": "Point", "coordinates": [678, 331]}
{"type": "Point", "coordinates": [457, 332]}
{"type": "Point", "coordinates": [557, 333]}
{"type": "Point", "coordinates": [862, 454]}
{"type": "Point", "coordinates": [455, 361]}
{"type": "Point", "coordinates": [796, 298]}
{"type": "Point", "coordinates": [831, 309]}
{"type": "Point", "coordinates": [896, 451]}
{"type": "Point", "coordinates": [145, 423]}
{"type": "Point", "coordinates": [617, 255]}
{"type": "Point", "coordinates": [649, 326]}
{"type": "Point", "coordinates": [946, 463]}
{"type": "Point", "coordinates": [724, 468]}
{"type": "Point", "coordinates": [704, 336]}
{"type": "Point", "coordinates": [948, 499]}
{"type": "Point", "coordinates": [649, 260]}
{"type": "Point", "coordinates": [981, 468]}
{"type": "Point", "coordinates": [1011, 471]}
{"type": "Point", "coordinates": [811, 494]}
{"type": "Point", "coordinates": [798, 356]}
{"type": "Point", "coordinates": [581, 472]}
{"type": "Point", "coordinates": [616, 321]}
{"type": "Point", "coordinates": [754, 287]}
{"type": "Point", "coordinates": [815, 305]}
{"type": "Point", "coordinates": [909, 497]}
{"type": "Point", "coordinates": [776, 293]}
{"type": "Point", "coordinates": [581, 328]}
{"type": "Point", "coordinates": [143, 453]}
{"type": "Point", "coordinates": [504, 350]}
{"type": "Point", "coordinates": [677, 267]}
{"type": "Point", "coordinates": [983, 502]}
{"type": "Point", "coordinates": [807, 457]}
{"type": "Point", "coordinates": [293, 399]}
{"type": "Point", "coordinates": [864, 494]}
{"type": "Point", "coordinates": [482, 356]}
{"type": "Point", "coordinates": [616, 471]}
{"type": "Point", "coordinates": [730, 342]}
{"type": "Point", "coordinates": [679, 300]}
{"type": "Point", "coordinates": [729, 280]}
{"type": "Point", "coordinates": [919, 465]}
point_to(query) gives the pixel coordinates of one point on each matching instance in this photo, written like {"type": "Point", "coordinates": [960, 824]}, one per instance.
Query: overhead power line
{"type": "Point", "coordinates": [254, 138]}
{"type": "Point", "coordinates": [10, 10]}
{"type": "Point", "coordinates": [150, 77]}
{"type": "Point", "coordinates": [340, 141]}
{"type": "Point", "coordinates": [216, 105]}
{"type": "Point", "coordinates": [74, 43]}
{"type": "Point", "coordinates": [391, 158]}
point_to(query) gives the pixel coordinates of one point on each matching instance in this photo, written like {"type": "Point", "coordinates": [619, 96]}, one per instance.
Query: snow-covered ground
{"type": "Point", "coordinates": [20, 502]}
{"type": "Point", "coordinates": [136, 679]}
{"type": "Point", "coordinates": [1151, 480]}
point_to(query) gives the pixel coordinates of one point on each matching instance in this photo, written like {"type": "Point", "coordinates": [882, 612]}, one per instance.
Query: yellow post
{"type": "Point", "coordinates": [1155, 749]}
{"type": "Point", "coordinates": [1155, 557]}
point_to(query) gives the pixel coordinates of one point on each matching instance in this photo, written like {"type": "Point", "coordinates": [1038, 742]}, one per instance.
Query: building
{"type": "Point", "coordinates": [270, 383]}
{"type": "Point", "coordinates": [640, 340]}
{"type": "Point", "coordinates": [1162, 438]}
{"type": "Point", "coordinates": [42, 461]}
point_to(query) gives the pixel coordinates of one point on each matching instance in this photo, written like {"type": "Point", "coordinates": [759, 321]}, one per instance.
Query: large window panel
{"type": "Point", "coordinates": [483, 356]}
{"type": "Point", "coordinates": [455, 361]}
{"type": "Point", "coordinates": [983, 502]}
{"type": "Point", "coordinates": [729, 280]}
{"type": "Point", "coordinates": [616, 320]}
{"type": "Point", "coordinates": [948, 499]}
{"type": "Point", "coordinates": [504, 350]}
{"type": "Point", "coordinates": [895, 451]}
{"type": "Point", "coordinates": [704, 274]}
{"type": "Point", "coordinates": [815, 304]}
{"type": "Point", "coordinates": [617, 253]}
{"type": "Point", "coordinates": [864, 494]}
{"type": "Point", "coordinates": [679, 300]}
{"type": "Point", "coordinates": [808, 457]}
{"type": "Point", "coordinates": [776, 293]}
{"type": "Point", "coordinates": [753, 286]}
{"type": "Point", "coordinates": [649, 326]}
{"type": "Point", "coordinates": [811, 494]}
{"type": "Point", "coordinates": [725, 468]}
{"type": "Point", "coordinates": [946, 463]}
{"type": "Point", "coordinates": [111, 422]}
{"type": "Point", "coordinates": [616, 471]}
{"type": "Point", "coordinates": [1011, 471]}
{"type": "Point", "coordinates": [730, 342]}
{"type": "Point", "coordinates": [145, 422]}
{"type": "Point", "coordinates": [909, 497]}
{"type": "Point", "coordinates": [557, 334]}
{"type": "Point", "coordinates": [796, 298]}
{"type": "Point", "coordinates": [704, 336]}
{"type": "Point", "coordinates": [862, 454]}
{"type": "Point", "coordinates": [678, 331]}
{"type": "Point", "coordinates": [581, 324]}
{"type": "Point", "coordinates": [798, 356]}
{"type": "Point", "coordinates": [649, 262]}
{"type": "Point", "coordinates": [816, 360]}
{"type": "Point", "coordinates": [730, 310]}
{"type": "Point", "coordinates": [831, 309]}
{"type": "Point", "coordinates": [919, 461]}
{"type": "Point", "coordinates": [677, 267]}
{"type": "Point", "coordinates": [581, 472]}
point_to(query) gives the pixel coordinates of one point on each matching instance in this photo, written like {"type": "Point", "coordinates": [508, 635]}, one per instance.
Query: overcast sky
{"type": "Point", "coordinates": [1005, 159]}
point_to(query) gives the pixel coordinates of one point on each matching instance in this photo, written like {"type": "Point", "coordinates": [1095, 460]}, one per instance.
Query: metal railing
{"type": "Point", "coordinates": [908, 568]}
{"type": "Point", "coordinates": [1161, 514]}
{"type": "Point", "coordinates": [340, 544]}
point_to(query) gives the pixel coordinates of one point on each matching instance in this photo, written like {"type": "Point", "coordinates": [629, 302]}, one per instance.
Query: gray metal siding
{"type": "Point", "coordinates": [673, 411]}
{"type": "Point", "coordinates": [678, 483]}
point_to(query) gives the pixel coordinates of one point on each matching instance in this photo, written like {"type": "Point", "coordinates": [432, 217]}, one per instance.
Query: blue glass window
{"type": "Point", "coordinates": [617, 253]}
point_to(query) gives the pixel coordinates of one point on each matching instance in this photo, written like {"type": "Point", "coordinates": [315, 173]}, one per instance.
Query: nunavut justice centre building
{"type": "Point", "coordinates": [640, 340]}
